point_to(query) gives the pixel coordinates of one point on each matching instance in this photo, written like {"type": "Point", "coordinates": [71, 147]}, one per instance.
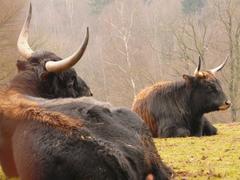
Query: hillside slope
{"type": "Point", "coordinates": [215, 157]}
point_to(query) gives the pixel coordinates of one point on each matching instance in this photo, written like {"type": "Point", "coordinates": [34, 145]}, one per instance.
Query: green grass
{"type": "Point", "coordinates": [215, 157]}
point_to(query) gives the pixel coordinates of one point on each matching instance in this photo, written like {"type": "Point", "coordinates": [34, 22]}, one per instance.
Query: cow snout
{"type": "Point", "coordinates": [225, 106]}
{"type": "Point", "coordinates": [150, 177]}
{"type": "Point", "coordinates": [228, 103]}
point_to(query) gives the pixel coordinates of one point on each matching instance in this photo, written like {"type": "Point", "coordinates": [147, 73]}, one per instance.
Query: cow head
{"type": "Point", "coordinates": [206, 92]}
{"type": "Point", "coordinates": [44, 74]}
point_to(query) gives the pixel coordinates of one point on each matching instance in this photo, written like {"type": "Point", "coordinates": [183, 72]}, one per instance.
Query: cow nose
{"type": "Point", "coordinates": [228, 103]}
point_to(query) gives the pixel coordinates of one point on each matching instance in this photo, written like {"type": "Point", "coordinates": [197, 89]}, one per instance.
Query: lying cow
{"type": "Point", "coordinates": [70, 139]}
{"type": "Point", "coordinates": [176, 109]}
{"type": "Point", "coordinates": [79, 138]}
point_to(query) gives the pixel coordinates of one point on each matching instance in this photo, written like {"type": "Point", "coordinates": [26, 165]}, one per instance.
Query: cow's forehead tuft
{"type": "Point", "coordinates": [207, 75]}
{"type": "Point", "coordinates": [41, 55]}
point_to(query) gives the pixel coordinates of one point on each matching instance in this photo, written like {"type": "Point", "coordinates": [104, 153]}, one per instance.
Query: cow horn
{"type": "Point", "coordinates": [22, 44]}
{"type": "Point", "coordinates": [220, 66]}
{"type": "Point", "coordinates": [59, 66]}
{"type": "Point", "coordinates": [199, 66]}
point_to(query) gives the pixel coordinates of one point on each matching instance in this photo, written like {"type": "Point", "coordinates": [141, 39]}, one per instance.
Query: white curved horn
{"type": "Point", "coordinates": [59, 66]}
{"type": "Point", "coordinates": [22, 44]}
{"type": "Point", "coordinates": [220, 66]}
{"type": "Point", "coordinates": [199, 66]}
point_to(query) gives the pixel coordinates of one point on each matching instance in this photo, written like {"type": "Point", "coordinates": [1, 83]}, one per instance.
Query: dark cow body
{"type": "Point", "coordinates": [68, 139]}
{"type": "Point", "coordinates": [77, 139]}
{"type": "Point", "coordinates": [173, 109]}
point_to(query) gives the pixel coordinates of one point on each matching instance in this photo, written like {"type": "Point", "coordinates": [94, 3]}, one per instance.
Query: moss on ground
{"type": "Point", "coordinates": [214, 157]}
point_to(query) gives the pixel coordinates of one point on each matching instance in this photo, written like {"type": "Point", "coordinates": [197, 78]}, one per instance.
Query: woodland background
{"type": "Point", "coordinates": [133, 43]}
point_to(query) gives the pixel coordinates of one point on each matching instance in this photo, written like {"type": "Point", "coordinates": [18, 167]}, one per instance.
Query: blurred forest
{"type": "Point", "coordinates": [133, 43]}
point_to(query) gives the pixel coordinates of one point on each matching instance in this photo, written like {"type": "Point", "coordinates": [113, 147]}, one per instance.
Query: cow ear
{"type": "Point", "coordinates": [44, 76]}
{"type": "Point", "coordinates": [21, 65]}
{"type": "Point", "coordinates": [42, 73]}
{"type": "Point", "coordinates": [189, 79]}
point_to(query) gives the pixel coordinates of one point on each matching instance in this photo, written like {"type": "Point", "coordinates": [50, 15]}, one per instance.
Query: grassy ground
{"type": "Point", "coordinates": [215, 157]}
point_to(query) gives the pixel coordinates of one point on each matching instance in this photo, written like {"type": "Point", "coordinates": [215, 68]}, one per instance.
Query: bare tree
{"type": "Point", "coordinates": [230, 17]}
{"type": "Point", "coordinates": [191, 35]}
{"type": "Point", "coordinates": [121, 31]}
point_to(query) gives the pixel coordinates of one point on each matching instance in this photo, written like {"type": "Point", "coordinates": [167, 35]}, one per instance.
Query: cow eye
{"type": "Point", "coordinates": [211, 88]}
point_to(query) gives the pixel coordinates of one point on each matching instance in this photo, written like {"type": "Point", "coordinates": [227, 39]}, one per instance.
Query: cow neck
{"type": "Point", "coordinates": [12, 106]}
{"type": "Point", "coordinates": [181, 93]}
{"type": "Point", "coordinates": [17, 107]}
{"type": "Point", "coordinates": [196, 113]}
{"type": "Point", "coordinates": [10, 101]}
{"type": "Point", "coordinates": [25, 83]}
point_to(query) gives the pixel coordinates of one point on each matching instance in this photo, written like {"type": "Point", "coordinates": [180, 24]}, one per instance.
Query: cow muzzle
{"type": "Point", "coordinates": [225, 106]}
{"type": "Point", "coordinates": [150, 177]}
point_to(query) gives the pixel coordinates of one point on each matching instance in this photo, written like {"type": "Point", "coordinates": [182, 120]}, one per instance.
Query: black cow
{"type": "Point", "coordinates": [44, 74]}
{"type": "Point", "coordinates": [173, 109]}
{"type": "Point", "coordinates": [79, 138]}
{"type": "Point", "coordinates": [67, 139]}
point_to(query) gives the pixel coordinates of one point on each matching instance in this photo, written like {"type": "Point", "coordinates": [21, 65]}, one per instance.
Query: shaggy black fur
{"type": "Point", "coordinates": [112, 144]}
{"type": "Point", "coordinates": [175, 109]}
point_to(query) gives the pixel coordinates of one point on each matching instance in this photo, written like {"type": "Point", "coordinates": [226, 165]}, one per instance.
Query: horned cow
{"type": "Point", "coordinates": [173, 109]}
{"type": "Point", "coordinates": [74, 139]}
{"type": "Point", "coordinates": [44, 136]}
{"type": "Point", "coordinates": [44, 74]}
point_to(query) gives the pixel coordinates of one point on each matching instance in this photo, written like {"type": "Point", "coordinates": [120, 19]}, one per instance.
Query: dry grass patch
{"type": "Point", "coordinates": [215, 157]}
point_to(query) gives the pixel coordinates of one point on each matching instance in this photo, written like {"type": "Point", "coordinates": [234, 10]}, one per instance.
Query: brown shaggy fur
{"type": "Point", "coordinates": [139, 105]}
{"type": "Point", "coordinates": [17, 107]}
